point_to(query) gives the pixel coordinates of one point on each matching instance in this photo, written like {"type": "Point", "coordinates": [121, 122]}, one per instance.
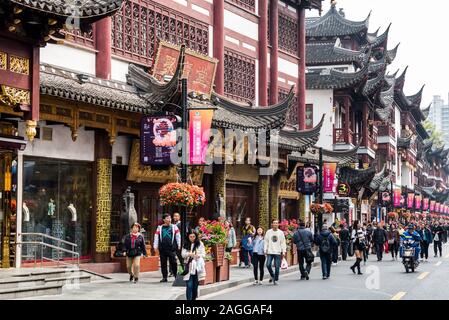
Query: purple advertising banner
{"type": "Point", "coordinates": [158, 139]}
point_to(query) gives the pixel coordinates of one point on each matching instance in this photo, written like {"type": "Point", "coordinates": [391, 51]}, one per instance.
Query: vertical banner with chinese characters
{"type": "Point", "coordinates": [418, 202]}
{"type": "Point", "coordinates": [425, 205]}
{"type": "Point", "coordinates": [199, 132]}
{"type": "Point", "coordinates": [158, 139]}
{"type": "Point", "coordinates": [198, 69]}
{"type": "Point", "coordinates": [410, 200]}
{"type": "Point", "coordinates": [437, 207]}
{"type": "Point", "coordinates": [432, 205]}
{"type": "Point", "coordinates": [329, 170]}
{"type": "Point", "coordinates": [397, 198]}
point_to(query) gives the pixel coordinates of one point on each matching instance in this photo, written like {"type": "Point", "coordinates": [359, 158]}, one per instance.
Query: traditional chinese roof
{"type": "Point", "coordinates": [334, 79]}
{"type": "Point", "coordinates": [384, 113]}
{"type": "Point", "coordinates": [322, 53]}
{"type": "Point", "coordinates": [401, 80]}
{"type": "Point", "coordinates": [66, 84]}
{"type": "Point", "coordinates": [377, 180]}
{"type": "Point", "coordinates": [386, 98]}
{"type": "Point", "coordinates": [342, 158]}
{"type": "Point", "coordinates": [381, 41]}
{"type": "Point", "coordinates": [45, 20]}
{"type": "Point", "coordinates": [300, 141]}
{"type": "Point", "coordinates": [416, 98]}
{"type": "Point", "coordinates": [357, 178]}
{"type": "Point", "coordinates": [374, 84]}
{"type": "Point", "coordinates": [404, 142]}
{"type": "Point", "coordinates": [230, 114]}
{"type": "Point", "coordinates": [391, 54]}
{"type": "Point", "coordinates": [333, 24]}
{"type": "Point", "coordinates": [66, 8]}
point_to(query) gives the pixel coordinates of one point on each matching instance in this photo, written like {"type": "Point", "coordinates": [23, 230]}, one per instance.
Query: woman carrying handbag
{"type": "Point", "coordinates": [195, 269]}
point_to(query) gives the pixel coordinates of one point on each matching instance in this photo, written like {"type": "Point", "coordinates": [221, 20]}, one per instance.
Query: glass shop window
{"type": "Point", "coordinates": [58, 195]}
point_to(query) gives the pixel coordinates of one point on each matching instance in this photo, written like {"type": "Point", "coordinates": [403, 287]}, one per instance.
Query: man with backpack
{"type": "Point", "coordinates": [303, 239]}
{"type": "Point", "coordinates": [167, 241]}
{"type": "Point", "coordinates": [326, 241]}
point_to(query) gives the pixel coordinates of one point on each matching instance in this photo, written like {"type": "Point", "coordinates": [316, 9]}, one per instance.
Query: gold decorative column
{"type": "Point", "coordinates": [302, 207]}
{"type": "Point", "coordinates": [103, 196]}
{"type": "Point", "coordinates": [104, 203]}
{"type": "Point", "coordinates": [264, 201]}
{"type": "Point", "coordinates": [274, 197]}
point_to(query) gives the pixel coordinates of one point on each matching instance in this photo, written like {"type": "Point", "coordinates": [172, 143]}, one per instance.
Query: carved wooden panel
{"type": "Point", "coordinates": [139, 25]}
{"type": "Point", "coordinates": [86, 39]}
{"type": "Point", "coordinates": [240, 76]}
{"type": "Point", "coordinates": [3, 60]}
{"type": "Point", "coordinates": [247, 4]}
{"type": "Point", "coordinates": [288, 34]}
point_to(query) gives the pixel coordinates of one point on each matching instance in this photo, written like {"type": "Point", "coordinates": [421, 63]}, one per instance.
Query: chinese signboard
{"type": "Point", "coordinates": [329, 170]}
{"type": "Point", "coordinates": [199, 132]}
{"type": "Point", "coordinates": [158, 139]}
{"type": "Point", "coordinates": [306, 180]}
{"type": "Point", "coordinates": [343, 189]}
{"type": "Point", "coordinates": [198, 69]}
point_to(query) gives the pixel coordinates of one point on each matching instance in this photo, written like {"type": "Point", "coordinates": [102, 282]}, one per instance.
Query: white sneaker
{"type": "Point", "coordinates": [256, 282]}
{"type": "Point", "coordinates": [260, 282]}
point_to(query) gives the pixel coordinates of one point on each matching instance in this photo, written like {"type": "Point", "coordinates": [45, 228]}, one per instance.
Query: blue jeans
{"type": "Point", "coordinates": [192, 287]}
{"type": "Point", "coordinates": [277, 265]}
{"type": "Point", "coordinates": [326, 262]}
{"type": "Point", "coordinates": [246, 256]}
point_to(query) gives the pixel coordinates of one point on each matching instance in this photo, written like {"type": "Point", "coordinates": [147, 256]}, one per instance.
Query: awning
{"type": "Point", "coordinates": [12, 143]}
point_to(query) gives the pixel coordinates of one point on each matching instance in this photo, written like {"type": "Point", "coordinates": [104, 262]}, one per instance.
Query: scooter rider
{"type": "Point", "coordinates": [411, 234]}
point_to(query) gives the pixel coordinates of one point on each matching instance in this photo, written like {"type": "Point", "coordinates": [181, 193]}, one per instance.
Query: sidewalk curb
{"type": "Point", "coordinates": [214, 288]}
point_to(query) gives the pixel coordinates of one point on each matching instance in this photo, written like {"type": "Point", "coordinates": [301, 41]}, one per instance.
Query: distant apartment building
{"type": "Point", "coordinates": [439, 116]}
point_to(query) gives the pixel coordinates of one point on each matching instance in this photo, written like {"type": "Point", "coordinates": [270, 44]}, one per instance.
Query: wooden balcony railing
{"type": "Point", "coordinates": [339, 136]}
{"type": "Point", "coordinates": [387, 131]}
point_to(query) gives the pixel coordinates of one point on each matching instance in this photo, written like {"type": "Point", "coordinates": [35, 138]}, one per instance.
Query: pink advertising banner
{"type": "Point", "coordinates": [437, 207]}
{"type": "Point", "coordinates": [329, 170]}
{"type": "Point", "coordinates": [432, 205]}
{"type": "Point", "coordinates": [410, 200]}
{"type": "Point", "coordinates": [425, 205]}
{"type": "Point", "coordinates": [397, 198]}
{"type": "Point", "coordinates": [199, 133]}
{"type": "Point", "coordinates": [418, 202]}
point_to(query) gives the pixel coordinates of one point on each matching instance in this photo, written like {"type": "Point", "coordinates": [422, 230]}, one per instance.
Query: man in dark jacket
{"type": "Point", "coordinates": [379, 239]}
{"type": "Point", "coordinates": [303, 239]}
{"type": "Point", "coordinates": [437, 232]}
{"type": "Point", "coordinates": [326, 241]}
{"type": "Point", "coordinates": [345, 239]}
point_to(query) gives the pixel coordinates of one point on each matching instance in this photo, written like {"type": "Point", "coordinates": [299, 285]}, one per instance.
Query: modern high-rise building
{"type": "Point", "coordinates": [439, 116]}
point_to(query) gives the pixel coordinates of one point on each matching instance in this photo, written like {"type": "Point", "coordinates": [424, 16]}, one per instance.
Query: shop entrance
{"type": "Point", "coordinates": [240, 204]}
{"type": "Point", "coordinates": [8, 206]}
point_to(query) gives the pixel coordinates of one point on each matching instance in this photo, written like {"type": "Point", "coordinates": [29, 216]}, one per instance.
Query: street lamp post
{"type": "Point", "coordinates": [184, 164]}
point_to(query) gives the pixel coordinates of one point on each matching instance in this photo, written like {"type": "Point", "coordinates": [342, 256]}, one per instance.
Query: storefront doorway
{"type": "Point", "coordinates": [240, 204]}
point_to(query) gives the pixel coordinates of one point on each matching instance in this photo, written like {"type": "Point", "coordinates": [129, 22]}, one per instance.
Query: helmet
{"type": "Point", "coordinates": [411, 226]}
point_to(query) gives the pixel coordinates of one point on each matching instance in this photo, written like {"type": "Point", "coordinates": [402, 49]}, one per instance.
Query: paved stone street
{"type": "Point", "coordinates": [429, 282]}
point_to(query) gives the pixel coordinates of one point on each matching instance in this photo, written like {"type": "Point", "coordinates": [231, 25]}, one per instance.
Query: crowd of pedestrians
{"type": "Point", "coordinates": [267, 248]}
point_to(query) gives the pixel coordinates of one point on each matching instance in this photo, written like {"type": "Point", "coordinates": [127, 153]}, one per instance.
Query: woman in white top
{"type": "Point", "coordinates": [195, 271]}
{"type": "Point", "coordinates": [358, 240]}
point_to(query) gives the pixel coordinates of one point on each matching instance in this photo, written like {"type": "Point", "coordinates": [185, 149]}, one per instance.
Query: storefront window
{"type": "Point", "coordinates": [58, 195]}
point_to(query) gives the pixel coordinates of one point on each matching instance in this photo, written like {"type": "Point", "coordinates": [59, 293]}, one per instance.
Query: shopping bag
{"type": "Point", "coordinates": [284, 264]}
{"type": "Point", "coordinates": [386, 247]}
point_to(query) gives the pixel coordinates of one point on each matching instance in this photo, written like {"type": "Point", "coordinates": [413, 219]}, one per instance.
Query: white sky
{"type": "Point", "coordinates": [422, 28]}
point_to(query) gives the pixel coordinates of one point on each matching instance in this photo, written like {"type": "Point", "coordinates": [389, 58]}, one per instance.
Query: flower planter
{"type": "Point", "coordinates": [289, 257]}
{"type": "Point", "coordinates": [218, 251]}
{"type": "Point", "coordinates": [295, 254]}
{"type": "Point", "coordinates": [210, 274]}
{"type": "Point", "coordinates": [235, 255]}
{"type": "Point", "coordinates": [223, 271]}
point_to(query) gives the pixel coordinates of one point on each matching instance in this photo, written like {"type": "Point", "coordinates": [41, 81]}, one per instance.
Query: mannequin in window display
{"type": "Point", "coordinates": [129, 213]}
{"type": "Point", "coordinates": [51, 208]}
{"type": "Point", "coordinates": [72, 211]}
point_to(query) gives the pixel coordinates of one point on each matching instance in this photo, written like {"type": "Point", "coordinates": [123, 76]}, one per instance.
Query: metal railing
{"type": "Point", "coordinates": [39, 241]}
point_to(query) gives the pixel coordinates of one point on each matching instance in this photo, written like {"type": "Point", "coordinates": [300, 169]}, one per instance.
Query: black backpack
{"type": "Point", "coordinates": [325, 246]}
